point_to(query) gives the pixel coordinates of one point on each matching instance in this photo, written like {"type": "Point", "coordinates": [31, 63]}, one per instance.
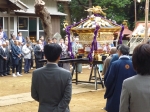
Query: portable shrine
{"type": "Point", "coordinates": [94, 31]}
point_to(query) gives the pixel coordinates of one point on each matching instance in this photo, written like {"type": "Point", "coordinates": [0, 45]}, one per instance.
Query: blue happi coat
{"type": "Point", "coordinates": [119, 71]}
{"type": "Point", "coordinates": [15, 52]}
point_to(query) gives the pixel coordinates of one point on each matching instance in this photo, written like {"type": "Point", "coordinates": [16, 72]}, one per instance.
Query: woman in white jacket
{"type": "Point", "coordinates": [27, 49]}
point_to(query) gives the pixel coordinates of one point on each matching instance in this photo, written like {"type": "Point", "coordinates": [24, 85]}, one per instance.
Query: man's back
{"type": "Point", "coordinates": [119, 71]}
{"type": "Point", "coordinates": [51, 87]}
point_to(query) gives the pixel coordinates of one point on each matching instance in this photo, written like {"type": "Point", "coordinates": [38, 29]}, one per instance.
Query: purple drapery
{"type": "Point", "coordinates": [68, 28]}
{"type": "Point", "coordinates": [121, 35]}
{"type": "Point", "coordinates": [94, 43]}
{"type": "Point", "coordinates": [69, 43]}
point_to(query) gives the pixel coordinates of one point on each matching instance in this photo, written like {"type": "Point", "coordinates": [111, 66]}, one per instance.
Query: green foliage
{"type": "Point", "coordinates": [117, 10]}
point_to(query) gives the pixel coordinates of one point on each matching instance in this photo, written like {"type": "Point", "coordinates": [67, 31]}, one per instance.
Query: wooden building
{"type": "Point", "coordinates": [16, 15]}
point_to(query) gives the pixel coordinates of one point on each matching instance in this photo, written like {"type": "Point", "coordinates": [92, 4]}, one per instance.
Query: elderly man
{"type": "Point", "coordinates": [27, 49]}
{"type": "Point", "coordinates": [75, 48]}
{"type": "Point", "coordinates": [4, 57]}
{"type": "Point", "coordinates": [16, 56]}
{"type": "Point", "coordinates": [38, 52]}
{"type": "Point", "coordinates": [9, 61]}
{"type": "Point", "coordinates": [119, 71]}
{"type": "Point", "coordinates": [113, 50]}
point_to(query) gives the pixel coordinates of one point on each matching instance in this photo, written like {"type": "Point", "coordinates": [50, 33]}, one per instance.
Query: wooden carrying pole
{"type": "Point", "coordinates": [146, 20]}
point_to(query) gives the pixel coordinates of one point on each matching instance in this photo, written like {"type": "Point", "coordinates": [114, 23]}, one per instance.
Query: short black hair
{"type": "Point", "coordinates": [118, 46]}
{"type": "Point", "coordinates": [49, 39]}
{"type": "Point", "coordinates": [54, 38]}
{"type": "Point", "coordinates": [28, 42]}
{"type": "Point", "coordinates": [148, 42]}
{"type": "Point", "coordinates": [41, 36]}
{"type": "Point", "coordinates": [141, 59]}
{"type": "Point", "coordinates": [19, 32]}
{"type": "Point", "coordinates": [124, 49]}
{"type": "Point", "coordinates": [52, 52]}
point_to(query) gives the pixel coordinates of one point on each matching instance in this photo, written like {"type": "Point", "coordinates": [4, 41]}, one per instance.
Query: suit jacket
{"type": "Point", "coordinates": [106, 64]}
{"type": "Point", "coordinates": [2, 53]}
{"type": "Point", "coordinates": [15, 52]}
{"type": "Point", "coordinates": [23, 40]}
{"type": "Point", "coordinates": [119, 71]}
{"type": "Point", "coordinates": [4, 36]}
{"type": "Point", "coordinates": [6, 53]}
{"type": "Point", "coordinates": [135, 96]}
{"type": "Point", "coordinates": [114, 58]}
{"type": "Point", "coordinates": [52, 88]}
{"type": "Point", "coordinates": [37, 52]}
{"type": "Point", "coordinates": [11, 42]}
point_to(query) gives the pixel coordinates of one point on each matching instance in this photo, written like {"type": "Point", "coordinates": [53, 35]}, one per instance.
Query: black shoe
{"type": "Point", "coordinates": [1, 75]}
{"type": "Point", "coordinates": [104, 108]}
{"type": "Point", "coordinates": [4, 74]}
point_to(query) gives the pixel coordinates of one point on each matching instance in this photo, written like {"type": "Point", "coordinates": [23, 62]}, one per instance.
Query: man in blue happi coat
{"type": "Point", "coordinates": [119, 70]}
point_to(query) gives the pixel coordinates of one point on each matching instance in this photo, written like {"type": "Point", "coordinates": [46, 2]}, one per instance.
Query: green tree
{"type": "Point", "coordinates": [117, 10]}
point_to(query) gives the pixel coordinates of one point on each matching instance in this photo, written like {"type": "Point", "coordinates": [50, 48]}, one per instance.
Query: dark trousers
{"type": "Point", "coordinates": [32, 62]}
{"type": "Point", "coordinates": [3, 66]}
{"type": "Point", "coordinates": [38, 64]}
{"type": "Point", "coordinates": [10, 59]}
{"type": "Point", "coordinates": [15, 67]}
{"type": "Point", "coordinates": [8, 65]}
{"type": "Point", "coordinates": [27, 65]}
{"type": "Point", "coordinates": [20, 66]}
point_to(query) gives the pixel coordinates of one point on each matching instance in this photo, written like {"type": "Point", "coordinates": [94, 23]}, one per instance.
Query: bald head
{"type": "Point", "coordinates": [113, 50]}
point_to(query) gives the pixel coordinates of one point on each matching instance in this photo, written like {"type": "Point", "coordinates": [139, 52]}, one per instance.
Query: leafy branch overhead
{"type": "Point", "coordinates": [117, 10]}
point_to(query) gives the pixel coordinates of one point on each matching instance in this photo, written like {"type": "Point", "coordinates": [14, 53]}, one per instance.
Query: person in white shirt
{"type": "Point", "coordinates": [21, 38]}
{"type": "Point", "coordinates": [3, 34]}
{"type": "Point", "coordinates": [27, 49]}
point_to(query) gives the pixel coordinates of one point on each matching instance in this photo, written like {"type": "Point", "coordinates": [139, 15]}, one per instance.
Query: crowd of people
{"type": "Point", "coordinates": [13, 51]}
{"type": "Point", "coordinates": [126, 78]}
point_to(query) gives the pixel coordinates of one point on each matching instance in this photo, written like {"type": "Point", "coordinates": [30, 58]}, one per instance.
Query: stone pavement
{"type": "Point", "coordinates": [26, 97]}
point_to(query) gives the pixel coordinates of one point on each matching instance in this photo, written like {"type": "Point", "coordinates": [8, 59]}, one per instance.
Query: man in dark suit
{"type": "Point", "coordinates": [52, 85]}
{"type": "Point", "coordinates": [16, 56]}
{"type": "Point", "coordinates": [38, 52]}
{"type": "Point", "coordinates": [4, 53]}
{"type": "Point", "coordinates": [8, 64]}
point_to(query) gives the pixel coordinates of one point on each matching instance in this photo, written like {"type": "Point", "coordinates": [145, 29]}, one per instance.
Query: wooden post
{"type": "Point", "coordinates": [8, 25]}
{"type": "Point", "coordinates": [146, 19]}
{"type": "Point", "coordinates": [135, 11]}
